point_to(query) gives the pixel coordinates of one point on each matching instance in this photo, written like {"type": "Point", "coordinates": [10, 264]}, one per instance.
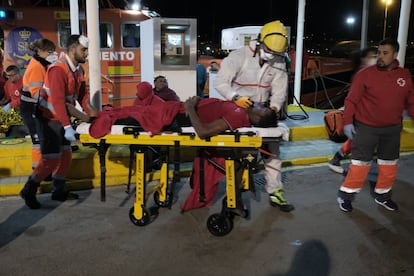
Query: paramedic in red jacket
{"type": "Point", "coordinates": [373, 121]}
{"type": "Point", "coordinates": [12, 89]}
{"type": "Point", "coordinates": [64, 83]}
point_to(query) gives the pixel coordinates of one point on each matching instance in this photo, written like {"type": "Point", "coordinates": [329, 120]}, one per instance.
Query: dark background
{"type": "Point", "coordinates": [324, 19]}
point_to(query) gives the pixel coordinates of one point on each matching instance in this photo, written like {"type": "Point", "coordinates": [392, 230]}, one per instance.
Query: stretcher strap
{"type": "Point", "coordinates": [267, 152]}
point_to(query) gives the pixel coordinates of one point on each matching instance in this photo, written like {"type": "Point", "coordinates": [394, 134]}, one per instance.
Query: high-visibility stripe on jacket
{"type": "Point", "coordinates": [64, 83]}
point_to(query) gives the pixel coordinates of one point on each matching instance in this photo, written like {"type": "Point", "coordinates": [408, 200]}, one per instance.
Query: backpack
{"type": "Point", "coordinates": [334, 125]}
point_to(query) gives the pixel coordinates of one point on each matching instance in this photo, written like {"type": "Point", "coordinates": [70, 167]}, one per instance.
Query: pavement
{"type": "Point", "coordinates": [91, 237]}
{"type": "Point", "coordinates": [94, 237]}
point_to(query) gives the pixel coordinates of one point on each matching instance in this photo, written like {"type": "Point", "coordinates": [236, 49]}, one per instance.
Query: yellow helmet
{"type": "Point", "coordinates": [274, 36]}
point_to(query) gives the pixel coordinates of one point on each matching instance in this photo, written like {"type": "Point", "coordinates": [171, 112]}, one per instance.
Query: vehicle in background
{"type": "Point", "coordinates": [119, 29]}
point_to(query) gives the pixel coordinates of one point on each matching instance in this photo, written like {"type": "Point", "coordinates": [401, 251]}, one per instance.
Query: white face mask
{"type": "Point", "coordinates": [371, 61]}
{"type": "Point", "coordinates": [53, 57]}
{"type": "Point", "coordinates": [266, 56]}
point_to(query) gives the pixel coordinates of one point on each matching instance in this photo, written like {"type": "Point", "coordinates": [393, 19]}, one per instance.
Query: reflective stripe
{"type": "Point", "coordinates": [387, 162]}
{"type": "Point", "coordinates": [349, 190]}
{"type": "Point", "coordinates": [382, 191]}
{"type": "Point", "coordinates": [360, 163]}
{"type": "Point", "coordinates": [36, 84]}
{"type": "Point", "coordinates": [27, 99]}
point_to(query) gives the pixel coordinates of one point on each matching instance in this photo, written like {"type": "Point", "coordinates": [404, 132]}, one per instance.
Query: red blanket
{"type": "Point", "coordinates": [152, 118]}
{"type": "Point", "coordinates": [212, 176]}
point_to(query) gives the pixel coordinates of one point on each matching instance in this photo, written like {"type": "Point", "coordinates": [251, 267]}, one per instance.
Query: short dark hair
{"type": "Point", "coordinates": [159, 77]}
{"type": "Point", "coordinates": [392, 42]}
{"type": "Point", "coordinates": [73, 40]}
{"type": "Point", "coordinates": [12, 68]}
{"type": "Point", "coordinates": [268, 120]}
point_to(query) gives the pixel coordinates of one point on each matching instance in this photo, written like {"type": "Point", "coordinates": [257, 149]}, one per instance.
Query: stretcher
{"type": "Point", "coordinates": [239, 148]}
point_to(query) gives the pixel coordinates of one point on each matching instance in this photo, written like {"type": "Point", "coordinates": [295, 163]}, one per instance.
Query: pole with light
{"type": "Point", "coordinates": [387, 3]}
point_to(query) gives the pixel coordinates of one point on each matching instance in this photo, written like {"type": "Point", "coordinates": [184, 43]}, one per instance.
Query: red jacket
{"type": "Point", "coordinates": [63, 84]}
{"type": "Point", "coordinates": [12, 92]}
{"type": "Point", "coordinates": [378, 97]}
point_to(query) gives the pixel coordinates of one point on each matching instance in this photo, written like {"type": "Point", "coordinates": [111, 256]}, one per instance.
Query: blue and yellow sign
{"type": "Point", "coordinates": [18, 41]}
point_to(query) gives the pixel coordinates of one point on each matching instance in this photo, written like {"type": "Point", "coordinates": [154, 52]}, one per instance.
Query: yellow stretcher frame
{"type": "Point", "coordinates": [241, 144]}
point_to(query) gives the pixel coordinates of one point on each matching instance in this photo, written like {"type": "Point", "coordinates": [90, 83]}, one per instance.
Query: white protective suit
{"type": "Point", "coordinates": [240, 73]}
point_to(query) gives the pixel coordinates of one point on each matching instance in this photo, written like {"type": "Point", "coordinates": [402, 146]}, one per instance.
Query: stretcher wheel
{"type": "Point", "coordinates": [219, 225]}
{"type": "Point", "coordinates": [165, 203]}
{"type": "Point", "coordinates": [146, 218]}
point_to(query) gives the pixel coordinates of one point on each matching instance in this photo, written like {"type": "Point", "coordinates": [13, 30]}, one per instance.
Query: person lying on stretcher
{"type": "Point", "coordinates": [209, 117]}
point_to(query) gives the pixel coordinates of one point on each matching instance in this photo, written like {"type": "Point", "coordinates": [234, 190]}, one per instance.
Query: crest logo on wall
{"type": "Point", "coordinates": [18, 41]}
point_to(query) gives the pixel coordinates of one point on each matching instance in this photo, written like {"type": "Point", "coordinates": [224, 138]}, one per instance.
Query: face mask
{"type": "Point", "coordinates": [52, 57]}
{"type": "Point", "coordinates": [371, 61]}
{"type": "Point", "coordinates": [266, 56]}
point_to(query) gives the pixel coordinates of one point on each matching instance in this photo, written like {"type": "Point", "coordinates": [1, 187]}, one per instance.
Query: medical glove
{"type": "Point", "coordinates": [243, 102]}
{"type": "Point", "coordinates": [6, 108]}
{"type": "Point", "coordinates": [70, 134]}
{"type": "Point", "coordinates": [349, 131]}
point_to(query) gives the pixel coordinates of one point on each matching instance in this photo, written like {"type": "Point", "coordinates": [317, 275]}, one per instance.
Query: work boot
{"type": "Point", "coordinates": [59, 192]}
{"type": "Point", "coordinates": [278, 200]}
{"type": "Point", "coordinates": [335, 163]}
{"type": "Point", "coordinates": [28, 193]}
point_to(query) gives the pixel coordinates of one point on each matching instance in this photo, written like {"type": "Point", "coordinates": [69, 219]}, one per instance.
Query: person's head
{"type": "Point", "coordinates": [272, 40]}
{"type": "Point", "coordinates": [144, 94]}
{"type": "Point", "coordinates": [261, 116]}
{"type": "Point", "coordinates": [13, 73]}
{"type": "Point", "coordinates": [214, 67]}
{"type": "Point", "coordinates": [77, 48]}
{"type": "Point", "coordinates": [387, 53]}
{"type": "Point", "coordinates": [44, 48]}
{"type": "Point", "coordinates": [144, 90]}
{"type": "Point", "coordinates": [160, 82]}
{"type": "Point", "coordinates": [368, 56]}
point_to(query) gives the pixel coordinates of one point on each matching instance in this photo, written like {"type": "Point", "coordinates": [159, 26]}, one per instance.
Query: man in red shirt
{"type": "Point", "coordinates": [12, 88]}
{"type": "Point", "coordinates": [373, 121]}
{"type": "Point", "coordinates": [64, 84]}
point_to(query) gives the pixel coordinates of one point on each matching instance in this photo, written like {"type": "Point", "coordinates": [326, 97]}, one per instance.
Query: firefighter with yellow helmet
{"type": "Point", "coordinates": [257, 73]}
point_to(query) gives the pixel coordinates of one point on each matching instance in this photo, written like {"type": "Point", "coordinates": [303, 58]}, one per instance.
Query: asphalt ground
{"type": "Point", "coordinates": [91, 237]}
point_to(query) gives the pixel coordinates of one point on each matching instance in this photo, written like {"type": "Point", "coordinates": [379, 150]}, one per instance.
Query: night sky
{"type": "Point", "coordinates": [322, 18]}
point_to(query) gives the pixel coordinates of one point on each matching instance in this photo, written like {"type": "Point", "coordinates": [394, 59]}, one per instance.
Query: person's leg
{"type": "Point", "coordinates": [45, 166]}
{"type": "Point", "coordinates": [363, 145]}
{"type": "Point", "coordinates": [388, 154]}
{"type": "Point", "coordinates": [273, 178]}
{"type": "Point", "coordinates": [335, 163]}
{"type": "Point", "coordinates": [27, 111]}
{"type": "Point", "coordinates": [59, 191]}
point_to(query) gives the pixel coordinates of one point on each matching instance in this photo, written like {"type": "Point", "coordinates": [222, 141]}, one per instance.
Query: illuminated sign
{"type": "Point", "coordinates": [18, 41]}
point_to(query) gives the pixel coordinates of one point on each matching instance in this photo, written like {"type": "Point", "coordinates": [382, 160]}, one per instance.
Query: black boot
{"type": "Point", "coordinates": [59, 192]}
{"type": "Point", "coordinates": [28, 193]}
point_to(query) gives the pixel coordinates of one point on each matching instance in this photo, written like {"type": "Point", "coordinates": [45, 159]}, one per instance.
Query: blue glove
{"type": "Point", "coordinates": [70, 134]}
{"type": "Point", "coordinates": [349, 131]}
{"type": "Point", "coordinates": [6, 108]}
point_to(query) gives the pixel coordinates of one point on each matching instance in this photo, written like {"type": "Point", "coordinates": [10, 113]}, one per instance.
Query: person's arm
{"type": "Point", "coordinates": [203, 130]}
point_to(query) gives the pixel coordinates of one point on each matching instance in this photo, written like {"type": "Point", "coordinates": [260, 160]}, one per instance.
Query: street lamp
{"type": "Point", "coordinates": [387, 3]}
{"type": "Point", "coordinates": [350, 21]}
